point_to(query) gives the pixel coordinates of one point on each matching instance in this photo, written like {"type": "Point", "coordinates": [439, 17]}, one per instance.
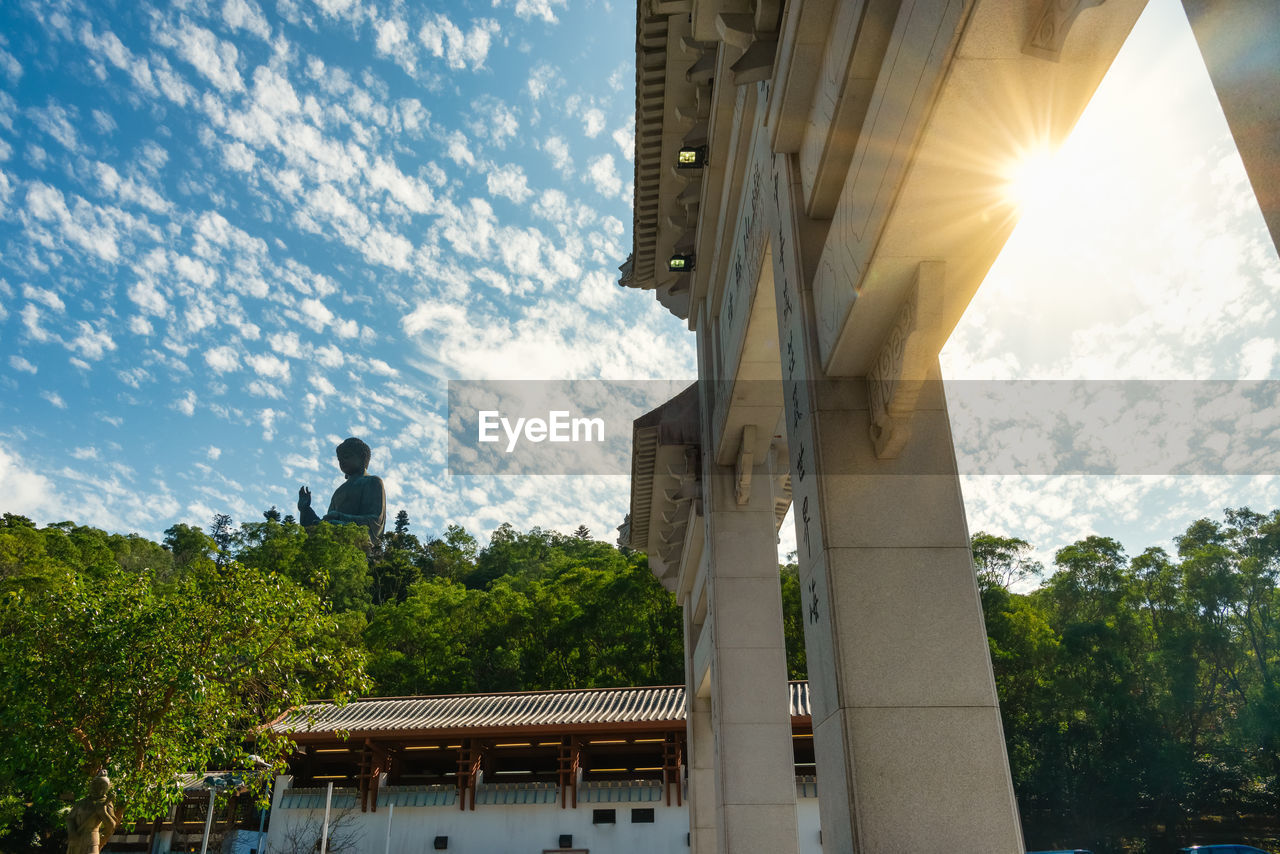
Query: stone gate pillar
{"type": "Point", "coordinates": [907, 729]}
{"type": "Point", "coordinates": [755, 790]}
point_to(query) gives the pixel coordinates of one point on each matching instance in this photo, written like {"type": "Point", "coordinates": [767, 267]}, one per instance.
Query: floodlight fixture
{"type": "Point", "coordinates": [692, 157]}
{"type": "Point", "coordinates": [681, 263]}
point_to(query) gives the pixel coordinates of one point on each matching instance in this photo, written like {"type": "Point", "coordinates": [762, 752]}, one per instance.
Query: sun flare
{"type": "Point", "coordinates": [1035, 179]}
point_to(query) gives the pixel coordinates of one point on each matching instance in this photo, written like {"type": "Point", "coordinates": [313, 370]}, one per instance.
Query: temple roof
{"type": "Point", "coordinates": [592, 707]}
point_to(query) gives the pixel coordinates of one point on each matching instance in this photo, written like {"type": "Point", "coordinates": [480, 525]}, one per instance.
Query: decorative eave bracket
{"type": "Point", "coordinates": [905, 361]}
{"type": "Point", "coordinates": [1049, 32]}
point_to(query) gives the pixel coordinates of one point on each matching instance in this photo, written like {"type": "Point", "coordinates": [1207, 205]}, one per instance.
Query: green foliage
{"type": "Point", "coordinates": [793, 622]}
{"type": "Point", "coordinates": [1138, 695]}
{"type": "Point", "coordinates": [556, 612]}
{"type": "Point", "coordinates": [103, 666]}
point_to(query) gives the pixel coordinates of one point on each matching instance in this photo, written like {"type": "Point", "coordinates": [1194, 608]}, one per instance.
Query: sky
{"type": "Point", "coordinates": [233, 232]}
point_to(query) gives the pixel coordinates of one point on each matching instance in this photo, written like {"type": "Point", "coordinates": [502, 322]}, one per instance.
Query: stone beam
{"type": "Point", "coordinates": [1240, 43]}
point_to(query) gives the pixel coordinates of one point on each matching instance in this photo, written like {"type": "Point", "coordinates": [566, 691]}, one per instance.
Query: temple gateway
{"type": "Point", "coordinates": [819, 193]}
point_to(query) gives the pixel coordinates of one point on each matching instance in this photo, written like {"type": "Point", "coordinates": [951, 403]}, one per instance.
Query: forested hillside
{"type": "Point", "coordinates": [1139, 695]}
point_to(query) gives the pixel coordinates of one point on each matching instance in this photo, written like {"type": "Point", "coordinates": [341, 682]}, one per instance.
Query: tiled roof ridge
{"type": "Point", "coordinates": [572, 707]}
{"type": "Point", "coordinates": [538, 691]}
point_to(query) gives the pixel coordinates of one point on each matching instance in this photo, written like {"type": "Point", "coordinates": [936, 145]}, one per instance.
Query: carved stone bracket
{"type": "Point", "coordinates": [1050, 27]}
{"type": "Point", "coordinates": [756, 37]}
{"type": "Point", "coordinates": [898, 375]}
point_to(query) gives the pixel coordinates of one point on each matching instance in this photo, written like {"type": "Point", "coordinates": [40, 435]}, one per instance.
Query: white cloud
{"type": "Point", "coordinates": [186, 404]}
{"type": "Point", "coordinates": [258, 388]}
{"type": "Point", "coordinates": [44, 296]}
{"type": "Point", "coordinates": [237, 156]}
{"type": "Point", "coordinates": [105, 123]}
{"type": "Point", "coordinates": [393, 41]}
{"type": "Point", "coordinates": [413, 116]}
{"type": "Point", "coordinates": [286, 344]}
{"type": "Point", "coordinates": [31, 323]}
{"type": "Point", "coordinates": [339, 8]}
{"type": "Point", "coordinates": [625, 138]}
{"type": "Point", "coordinates": [458, 149]}
{"type": "Point", "coordinates": [329, 356]}
{"type": "Point", "coordinates": [134, 377]}
{"type": "Point", "coordinates": [195, 271]}
{"type": "Point", "coordinates": [212, 57]}
{"type": "Point", "coordinates": [444, 39]}
{"type": "Point", "coordinates": [510, 182]}
{"type": "Point", "coordinates": [58, 124]}
{"type": "Point", "coordinates": [528, 9]}
{"type": "Point", "coordinates": [322, 384]}
{"type": "Point", "coordinates": [91, 343]}
{"type": "Point", "coordinates": [1257, 358]}
{"type": "Point", "coordinates": [269, 366]}
{"type": "Point", "coordinates": [267, 418]}
{"type": "Point", "coordinates": [54, 398]}
{"type": "Point", "coordinates": [10, 66]}
{"type": "Point", "coordinates": [130, 190]}
{"type": "Point", "coordinates": [245, 15]}
{"type": "Point", "coordinates": [599, 290]}
{"type": "Point", "coordinates": [621, 77]}
{"type": "Point", "coordinates": [603, 174]}
{"type": "Point", "coordinates": [109, 46]}
{"type": "Point", "coordinates": [147, 296]}
{"type": "Point", "coordinates": [86, 226]}
{"type": "Point", "coordinates": [316, 314]}
{"type": "Point", "coordinates": [413, 193]}
{"type": "Point", "coordinates": [222, 359]}
{"type": "Point", "coordinates": [20, 364]}
{"type": "Point", "coordinates": [593, 122]}
{"type": "Point", "coordinates": [558, 150]}
{"type": "Point", "coordinates": [540, 80]}
{"type": "Point", "coordinates": [26, 492]}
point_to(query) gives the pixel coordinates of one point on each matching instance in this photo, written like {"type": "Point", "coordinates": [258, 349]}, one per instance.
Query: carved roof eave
{"type": "Point", "coordinates": [665, 113]}
{"type": "Point", "coordinates": [664, 481]}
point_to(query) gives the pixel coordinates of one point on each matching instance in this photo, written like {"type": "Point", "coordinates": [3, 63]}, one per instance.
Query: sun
{"type": "Point", "coordinates": [1036, 179]}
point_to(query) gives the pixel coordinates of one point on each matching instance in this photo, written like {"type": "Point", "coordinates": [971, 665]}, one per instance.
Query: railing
{"type": "Point", "coordinates": [418, 796]}
{"type": "Point", "coordinates": [806, 786]}
{"type": "Point", "coordinates": [310, 798]}
{"type": "Point", "coordinates": [517, 793]}
{"type": "Point", "coordinates": [620, 791]}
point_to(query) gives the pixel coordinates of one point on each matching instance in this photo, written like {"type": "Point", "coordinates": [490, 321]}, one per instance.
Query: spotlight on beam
{"type": "Point", "coordinates": [692, 157]}
{"type": "Point", "coordinates": [680, 264]}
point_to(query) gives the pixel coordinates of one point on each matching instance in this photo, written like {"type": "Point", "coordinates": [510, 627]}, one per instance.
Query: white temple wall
{"type": "Point", "coordinates": [519, 828]}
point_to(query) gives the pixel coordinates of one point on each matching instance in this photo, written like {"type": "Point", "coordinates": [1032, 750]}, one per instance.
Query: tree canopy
{"type": "Point", "coordinates": [120, 655]}
{"type": "Point", "coordinates": [1139, 694]}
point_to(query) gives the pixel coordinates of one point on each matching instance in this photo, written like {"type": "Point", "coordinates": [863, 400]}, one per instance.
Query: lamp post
{"type": "Point", "coordinates": [213, 784]}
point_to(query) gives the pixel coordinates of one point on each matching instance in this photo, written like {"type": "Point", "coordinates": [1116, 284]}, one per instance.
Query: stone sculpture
{"type": "Point", "coordinates": [92, 819]}
{"type": "Point", "coordinates": [361, 498]}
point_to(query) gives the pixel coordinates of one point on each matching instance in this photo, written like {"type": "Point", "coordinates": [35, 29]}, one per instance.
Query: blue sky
{"type": "Point", "coordinates": [234, 232]}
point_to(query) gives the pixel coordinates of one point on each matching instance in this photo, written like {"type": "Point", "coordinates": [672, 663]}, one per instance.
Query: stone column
{"type": "Point", "coordinates": [699, 746]}
{"type": "Point", "coordinates": [1241, 48]}
{"type": "Point", "coordinates": [755, 791]}
{"type": "Point", "coordinates": [702, 784]}
{"type": "Point", "coordinates": [907, 729]}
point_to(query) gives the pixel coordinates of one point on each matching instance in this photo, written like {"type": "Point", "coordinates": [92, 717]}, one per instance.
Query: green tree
{"type": "Point", "coordinates": [793, 622]}
{"type": "Point", "coordinates": [452, 556]}
{"type": "Point", "coordinates": [147, 681]}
